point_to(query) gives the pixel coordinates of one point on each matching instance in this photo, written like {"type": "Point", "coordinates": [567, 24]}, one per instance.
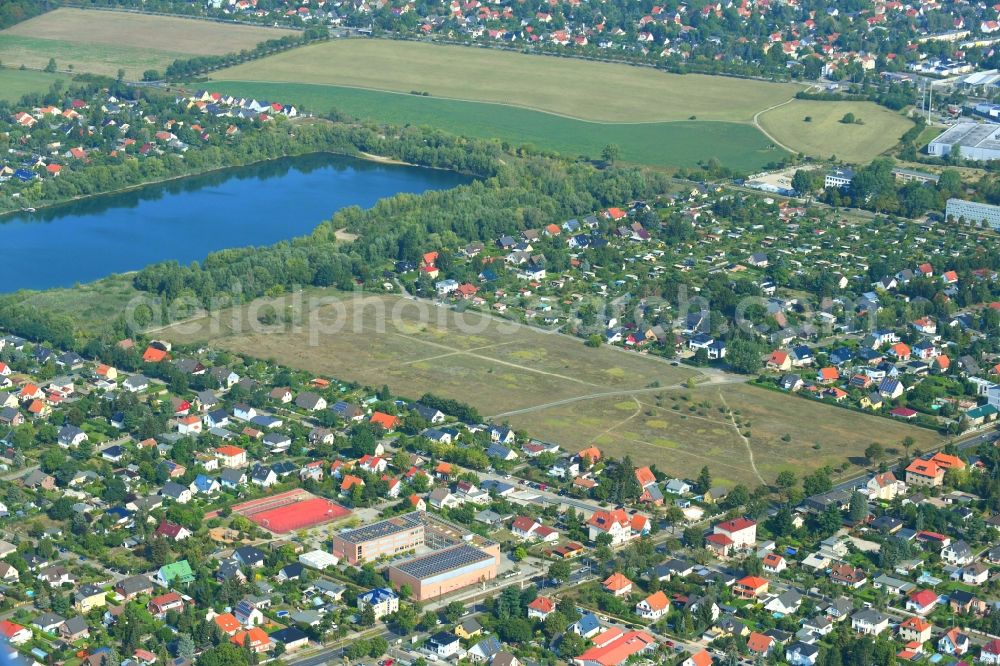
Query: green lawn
{"type": "Point", "coordinates": [17, 50]}
{"type": "Point", "coordinates": [666, 144]}
{"type": "Point", "coordinates": [824, 135]}
{"type": "Point", "coordinates": [16, 83]}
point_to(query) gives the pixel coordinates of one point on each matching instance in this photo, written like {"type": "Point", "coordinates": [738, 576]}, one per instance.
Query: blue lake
{"type": "Point", "coordinates": [189, 218]}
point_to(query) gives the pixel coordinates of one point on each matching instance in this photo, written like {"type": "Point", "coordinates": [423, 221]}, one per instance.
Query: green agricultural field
{"type": "Point", "coordinates": [15, 83]}
{"type": "Point", "coordinates": [667, 144]}
{"type": "Point", "coordinates": [576, 88]}
{"type": "Point", "coordinates": [82, 57]}
{"type": "Point", "coordinates": [101, 42]}
{"type": "Point", "coordinates": [824, 135]}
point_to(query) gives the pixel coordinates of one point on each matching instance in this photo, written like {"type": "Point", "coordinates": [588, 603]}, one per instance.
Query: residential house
{"type": "Point", "coordinates": [653, 607]}
{"type": "Point", "coordinates": [382, 600]}
{"type": "Point", "coordinates": [869, 622]}
{"type": "Point", "coordinates": [915, 629]}
{"type": "Point", "coordinates": [925, 473]}
{"type": "Point", "coordinates": [957, 553]}
{"type": "Point", "coordinates": [540, 608]}
{"type": "Point", "coordinates": [883, 486]}
{"type": "Point", "coordinates": [618, 585]}
{"type": "Point", "coordinates": [848, 576]}
{"type": "Point", "coordinates": [954, 643]}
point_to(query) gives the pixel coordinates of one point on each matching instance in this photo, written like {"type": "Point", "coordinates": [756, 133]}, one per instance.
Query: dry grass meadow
{"type": "Point", "coordinates": [557, 389]}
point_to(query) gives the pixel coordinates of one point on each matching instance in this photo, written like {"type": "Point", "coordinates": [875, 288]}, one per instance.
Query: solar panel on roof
{"type": "Point", "coordinates": [441, 561]}
{"type": "Point", "coordinates": [382, 528]}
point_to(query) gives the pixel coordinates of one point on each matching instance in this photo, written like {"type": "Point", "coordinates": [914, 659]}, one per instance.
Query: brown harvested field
{"type": "Point", "coordinates": [557, 389]}
{"type": "Point", "coordinates": [662, 428]}
{"type": "Point", "coordinates": [495, 365]}
{"type": "Point", "coordinates": [103, 41]}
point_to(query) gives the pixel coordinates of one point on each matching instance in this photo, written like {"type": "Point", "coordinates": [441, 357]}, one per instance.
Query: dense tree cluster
{"type": "Point", "coordinates": [199, 65]}
{"type": "Point", "coordinates": [515, 193]}
{"type": "Point", "coordinates": [15, 11]}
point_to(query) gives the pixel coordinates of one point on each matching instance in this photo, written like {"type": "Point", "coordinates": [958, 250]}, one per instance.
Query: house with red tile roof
{"type": "Point", "coordinates": [848, 576]}
{"type": "Point", "coordinates": [154, 355]}
{"type": "Point", "coordinates": [828, 375]}
{"type": "Point", "coordinates": [615, 523]}
{"type": "Point", "coordinates": [700, 658]}
{"type": "Point", "coordinates": [901, 350]}
{"type": "Point", "coordinates": [924, 473]}
{"type": "Point", "coordinates": [721, 544]}
{"type": "Point", "coordinates": [254, 638]}
{"type": "Point", "coordinates": [172, 531]}
{"type": "Point", "coordinates": [947, 461]}
{"type": "Point", "coordinates": [227, 623]}
{"type": "Point", "coordinates": [387, 421]}
{"type": "Point", "coordinates": [915, 629]}
{"type": "Point", "coordinates": [349, 481]}
{"type": "Point", "coordinates": [773, 563]}
{"type": "Point", "coordinates": [645, 476]}
{"type": "Point", "coordinates": [751, 587]}
{"type": "Point", "coordinates": [653, 607]}
{"type": "Point", "coordinates": [921, 602]}
{"type": "Point", "coordinates": [779, 360]}
{"type": "Point", "coordinates": [742, 532]}
{"type": "Point", "coordinates": [231, 456]}
{"type": "Point", "coordinates": [618, 585]}
{"type": "Point", "coordinates": [615, 646]}
{"type": "Point", "coordinates": [15, 633]}
{"type": "Point", "coordinates": [163, 604]}
{"type": "Point", "coordinates": [759, 644]}
{"type": "Point", "coordinates": [954, 642]}
{"type": "Point", "coordinates": [541, 608]}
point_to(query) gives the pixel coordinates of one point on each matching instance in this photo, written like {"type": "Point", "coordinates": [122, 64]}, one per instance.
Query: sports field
{"type": "Point", "coordinates": [824, 135]}
{"type": "Point", "coordinates": [576, 88]}
{"type": "Point", "coordinates": [556, 388]}
{"type": "Point", "coordinates": [15, 83]}
{"type": "Point", "coordinates": [104, 41]}
{"type": "Point", "coordinates": [669, 144]}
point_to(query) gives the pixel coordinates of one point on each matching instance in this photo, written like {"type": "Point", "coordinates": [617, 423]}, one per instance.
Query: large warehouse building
{"type": "Point", "coordinates": [385, 538]}
{"type": "Point", "coordinates": [973, 141]}
{"type": "Point", "coordinates": [972, 212]}
{"type": "Point", "coordinates": [436, 574]}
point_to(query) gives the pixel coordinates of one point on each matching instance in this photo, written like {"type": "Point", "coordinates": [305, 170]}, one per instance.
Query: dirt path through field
{"type": "Point", "coordinates": [746, 442]}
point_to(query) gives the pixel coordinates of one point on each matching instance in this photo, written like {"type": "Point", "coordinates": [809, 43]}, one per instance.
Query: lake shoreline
{"type": "Point", "coordinates": [368, 157]}
{"type": "Point", "coordinates": [188, 220]}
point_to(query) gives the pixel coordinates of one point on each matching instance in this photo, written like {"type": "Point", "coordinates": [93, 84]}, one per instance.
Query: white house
{"type": "Point", "coordinates": [382, 600]}
{"type": "Point", "coordinates": [741, 531]}
{"type": "Point", "coordinates": [869, 621]}
{"type": "Point", "coordinates": [653, 607]}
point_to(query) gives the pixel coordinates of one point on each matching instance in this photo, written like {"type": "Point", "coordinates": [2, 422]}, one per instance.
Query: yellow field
{"type": "Point", "coordinates": [104, 41]}
{"type": "Point", "coordinates": [824, 135]}
{"type": "Point", "coordinates": [580, 89]}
